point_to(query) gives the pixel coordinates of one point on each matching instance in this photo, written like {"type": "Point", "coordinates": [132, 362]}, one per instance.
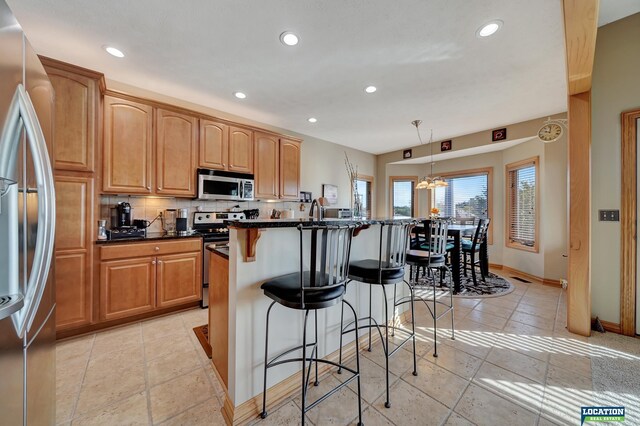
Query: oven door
{"type": "Point", "coordinates": [219, 188]}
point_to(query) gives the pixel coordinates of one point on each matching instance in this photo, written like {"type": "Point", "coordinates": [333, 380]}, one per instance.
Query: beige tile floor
{"type": "Point", "coordinates": [512, 363]}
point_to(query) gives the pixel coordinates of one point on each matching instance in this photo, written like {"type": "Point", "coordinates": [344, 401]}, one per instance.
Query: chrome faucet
{"type": "Point", "coordinates": [315, 205]}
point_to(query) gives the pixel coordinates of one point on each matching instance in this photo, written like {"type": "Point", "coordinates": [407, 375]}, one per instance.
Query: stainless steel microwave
{"type": "Point", "coordinates": [221, 185]}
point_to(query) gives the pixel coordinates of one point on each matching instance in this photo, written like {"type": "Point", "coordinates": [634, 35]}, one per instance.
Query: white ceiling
{"type": "Point", "coordinates": [423, 56]}
{"type": "Point", "coordinates": [612, 10]}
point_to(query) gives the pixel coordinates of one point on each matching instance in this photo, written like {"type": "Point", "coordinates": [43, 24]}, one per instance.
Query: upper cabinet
{"type": "Point", "coordinates": [176, 153]}
{"type": "Point", "coordinates": [240, 150]}
{"type": "Point", "coordinates": [214, 145]}
{"type": "Point", "coordinates": [128, 147]}
{"type": "Point", "coordinates": [289, 169]}
{"type": "Point", "coordinates": [267, 160]}
{"type": "Point", "coordinates": [77, 96]}
{"type": "Point", "coordinates": [277, 167]}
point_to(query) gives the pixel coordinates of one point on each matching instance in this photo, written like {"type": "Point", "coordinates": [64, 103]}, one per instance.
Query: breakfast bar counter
{"type": "Point", "coordinates": [260, 250]}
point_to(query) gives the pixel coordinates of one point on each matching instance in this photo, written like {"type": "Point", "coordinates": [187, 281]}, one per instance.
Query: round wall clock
{"type": "Point", "coordinates": [550, 132]}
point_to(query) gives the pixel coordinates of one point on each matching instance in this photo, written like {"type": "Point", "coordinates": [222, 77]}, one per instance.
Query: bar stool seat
{"type": "Point", "coordinates": [367, 271]}
{"type": "Point", "coordinates": [285, 290]}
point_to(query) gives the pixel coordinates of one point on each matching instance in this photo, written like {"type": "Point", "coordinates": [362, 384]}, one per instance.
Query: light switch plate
{"type": "Point", "coordinates": [609, 215]}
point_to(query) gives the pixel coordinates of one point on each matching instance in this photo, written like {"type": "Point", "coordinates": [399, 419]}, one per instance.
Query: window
{"type": "Point", "coordinates": [363, 189]}
{"type": "Point", "coordinates": [522, 205]}
{"type": "Point", "coordinates": [403, 196]}
{"type": "Point", "coordinates": [467, 198]}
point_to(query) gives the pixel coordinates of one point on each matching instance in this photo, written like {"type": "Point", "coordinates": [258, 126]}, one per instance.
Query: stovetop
{"type": "Point", "coordinates": [212, 225]}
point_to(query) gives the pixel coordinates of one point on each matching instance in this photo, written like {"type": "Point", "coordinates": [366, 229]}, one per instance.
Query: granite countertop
{"type": "Point", "coordinates": [292, 223]}
{"type": "Point", "coordinates": [151, 236]}
{"type": "Point", "coordinates": [222, 251]}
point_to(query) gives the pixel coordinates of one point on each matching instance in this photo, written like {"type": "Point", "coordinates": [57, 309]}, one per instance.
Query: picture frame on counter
{"type": "Point", "coordinates": [330, 192]}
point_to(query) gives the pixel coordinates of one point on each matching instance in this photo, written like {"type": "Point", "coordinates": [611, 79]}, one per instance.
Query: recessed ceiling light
{"type": "Point", "coordinates": [370, 89]}
{"type": "Point", "coordinates": [489, 28]}
{"type": "Point", "coordinates": [113, 51]}
{"type": "Point", "coordinates": [289, 38]}
{"type": "Point", "coordinates": [239, 95]}
{"type": "Point", "coordinates": [312, 120]}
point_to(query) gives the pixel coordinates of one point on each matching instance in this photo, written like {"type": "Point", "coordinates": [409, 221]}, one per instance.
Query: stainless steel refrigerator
{"type": "Point", "coordinates": [27, 226]}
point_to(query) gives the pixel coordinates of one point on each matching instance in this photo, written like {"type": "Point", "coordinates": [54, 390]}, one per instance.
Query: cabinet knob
{"type": "Point", "coordinates": [159, 261]}
{"type": "Point", "coordinates": [157, 249]}
{"type": "Point", "coordinates": [149, 187]}
{"type": "Point", "coordinates": [224, 165]}
{"type": "Point", "coordinates": [153, 262]}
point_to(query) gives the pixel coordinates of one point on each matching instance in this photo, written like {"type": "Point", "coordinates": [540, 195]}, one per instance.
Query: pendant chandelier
{"type": "Point", "coordinates": [431, 181]}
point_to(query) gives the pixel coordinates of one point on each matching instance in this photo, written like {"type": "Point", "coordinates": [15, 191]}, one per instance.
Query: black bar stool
{"type": "Point", "coordinates": [472, 247]}
{"type": "Point", "coordinates": [388, 269]}
{"type": "Point", "coordinates": [433, 259]}
{"type": "Point", "coordinates": [321, 286]}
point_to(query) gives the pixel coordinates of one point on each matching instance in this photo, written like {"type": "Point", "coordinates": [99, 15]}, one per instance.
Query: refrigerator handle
{"type": "Point", "coordinates": [23, 115]}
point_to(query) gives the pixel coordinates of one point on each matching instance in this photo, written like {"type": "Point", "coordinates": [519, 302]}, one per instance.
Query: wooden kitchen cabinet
{"type": "Point", "coordinates": [73, 250]}
{"type": "Point", "coordinates": [127, 147]}
{"type": "Point", "coordinates": [240, 150]}
{"type": "Point", "coordinates": [127, 287]}
{"type": "Point", "coordinates": [289, 169]}
{"type": "Point", "coordinates": [137, 278]}
{"type": "Point", "coordinates": [214, 145]}
{"type": "Point", "coordinates": [76, 118]}
{"type": "Point", "coordinates": [176, 153]}
{"type": "Point", "coordinates": [179, 279]}
{"type": "Point", "coordinates": [277, 167]}
{"type": "Point", "coordinates": [267, 166]}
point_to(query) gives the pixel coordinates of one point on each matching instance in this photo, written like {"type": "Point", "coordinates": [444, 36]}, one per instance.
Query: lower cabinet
{"type": "Point", "coordinates": [137, 278]}
{"type": "Point", "coordinates": [179, 279]}
{"type": "Point", "coordinates": [127, 287]}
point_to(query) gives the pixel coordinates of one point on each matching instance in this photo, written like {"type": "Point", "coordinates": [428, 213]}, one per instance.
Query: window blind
{"type": "Point", "coordinates": [522, 205]}
{"type": "Point", "coordinates": [465, 199]}
{"type": "Point", "coordinates": [402, 198]}
{"type": "Point", "coordinates": [363, 188]}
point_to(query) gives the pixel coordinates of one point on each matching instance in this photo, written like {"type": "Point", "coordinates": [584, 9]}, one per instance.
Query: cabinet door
{"type": "Point", "coordinates": [240, 150]}
{"type": "Point", "coordinates": [127, 287]}
{"type": "Point", "coordinates": [73, 251]}
{"type": "Point", "coordinates": [128, 145]}
{"type": "Point", "coordinates": [267, 153]}
{"type": "Point", "coordinates": [214, 145]}
{"type": "Point", "coordinates": [179, 279]}
{"type": "Point", "coordinates": [176, 139]}
{"type": "Point", "coordinates": [289, 169]}
{"type": "Point", "coordinates": [75, 121]}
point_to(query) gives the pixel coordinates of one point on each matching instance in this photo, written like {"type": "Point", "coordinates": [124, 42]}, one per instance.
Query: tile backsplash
{"type": "Point", "coordinates": [148, 207]}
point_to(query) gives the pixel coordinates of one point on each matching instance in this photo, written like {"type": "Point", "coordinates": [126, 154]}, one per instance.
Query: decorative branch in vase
{"type": "Point", "coordinates": [352, 171]}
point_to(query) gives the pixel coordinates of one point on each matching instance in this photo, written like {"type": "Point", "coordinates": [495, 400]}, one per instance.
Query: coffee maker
{"type": "Point", "coordinates": [122, 223]}
{"type": "Point", "coordinates": [121, 216]}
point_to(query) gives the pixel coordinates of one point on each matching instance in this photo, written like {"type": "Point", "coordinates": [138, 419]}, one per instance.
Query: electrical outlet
{"type": "Point", "coordinates": [564, 283]}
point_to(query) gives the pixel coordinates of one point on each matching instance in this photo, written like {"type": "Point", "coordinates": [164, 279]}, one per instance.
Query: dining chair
{"type": "Point", "coordinates": [471, 248]}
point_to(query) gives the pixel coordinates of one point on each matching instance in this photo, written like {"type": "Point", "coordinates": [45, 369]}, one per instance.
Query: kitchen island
{"type": "Point", "coordinates": [260, 250]}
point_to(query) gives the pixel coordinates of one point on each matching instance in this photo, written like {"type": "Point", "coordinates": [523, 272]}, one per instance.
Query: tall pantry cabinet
{"type": "Point", "coordinates": [75, 143]}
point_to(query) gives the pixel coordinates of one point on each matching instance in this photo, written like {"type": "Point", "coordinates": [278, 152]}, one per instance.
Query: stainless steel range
{"type": "Point", "coordinates": [212, 227]}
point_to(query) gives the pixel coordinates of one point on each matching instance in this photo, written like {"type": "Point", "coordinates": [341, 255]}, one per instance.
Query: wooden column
{"type": "Point", "coordinates": [579, 155]}
{"type": "Point", "coordinates": [581, 26]}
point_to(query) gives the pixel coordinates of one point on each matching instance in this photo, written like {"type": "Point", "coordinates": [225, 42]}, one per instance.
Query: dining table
{"type": "Point", "coordinates": [456, 232]}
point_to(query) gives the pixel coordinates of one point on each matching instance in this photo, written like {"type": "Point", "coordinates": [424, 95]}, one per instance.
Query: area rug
{"type": "Point", "coordinates": [495, 286]}
{"type": "Point", "coordinates": [202, 333]}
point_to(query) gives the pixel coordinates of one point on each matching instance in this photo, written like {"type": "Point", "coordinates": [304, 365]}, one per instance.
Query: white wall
{"type": "Point", "coordinates": [616, 88]}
